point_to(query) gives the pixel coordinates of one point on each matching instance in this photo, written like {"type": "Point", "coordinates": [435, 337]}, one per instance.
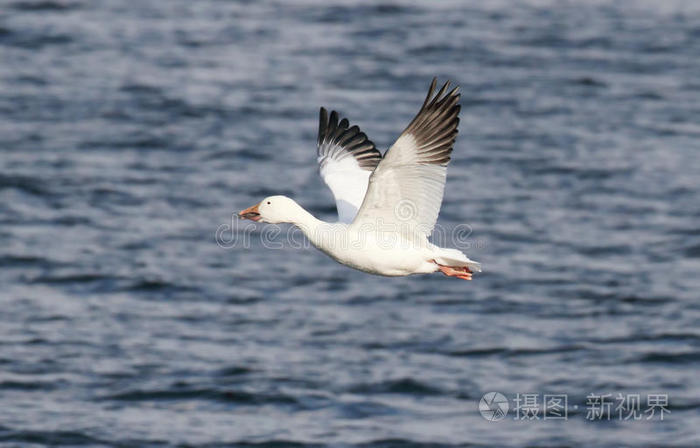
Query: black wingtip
{"type": "Point", "coordinates": [335, 133]}
{"type": "Point", "coordinates": [435, 125]}
{"type": "Point", "coordinates": [322, 123]}
{"type": "Point", "coordinates": [430, 92]}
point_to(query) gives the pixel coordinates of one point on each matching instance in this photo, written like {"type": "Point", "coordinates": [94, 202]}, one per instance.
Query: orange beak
{"type": "Point", "coordinates": [251, 213]}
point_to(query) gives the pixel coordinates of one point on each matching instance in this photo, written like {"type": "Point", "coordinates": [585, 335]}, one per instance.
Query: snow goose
{"type": "Point", "coordinates": [387, 206]}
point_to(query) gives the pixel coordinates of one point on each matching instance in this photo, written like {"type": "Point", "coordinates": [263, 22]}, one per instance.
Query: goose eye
{"type": "Point", "coordinates": [268, 202]}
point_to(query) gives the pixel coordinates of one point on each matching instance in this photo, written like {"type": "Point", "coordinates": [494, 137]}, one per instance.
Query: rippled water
{"type": "Point", "coordinates": [131, 131]}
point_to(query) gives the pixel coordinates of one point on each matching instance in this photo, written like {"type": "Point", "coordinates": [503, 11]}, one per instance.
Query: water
{"type": "Point", "coordinates": [131, 132]}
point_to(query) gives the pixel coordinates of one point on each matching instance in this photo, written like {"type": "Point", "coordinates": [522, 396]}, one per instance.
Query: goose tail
{"type": "Point", "coordinates": [455, 258]}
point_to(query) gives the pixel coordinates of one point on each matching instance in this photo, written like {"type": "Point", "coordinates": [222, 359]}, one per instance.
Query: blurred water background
{"type": "Point", "coordinates": [131, 131]}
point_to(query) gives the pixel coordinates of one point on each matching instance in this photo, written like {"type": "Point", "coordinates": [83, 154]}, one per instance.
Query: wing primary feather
{"type": "Point", "coordinates": [414, 169]}
{"type": "Point", "coordinates": [333, 123]}
{"type": "Point", "coordinates": [346, 158]}
{"type": "Point", "coordinates": [434, 128]}
{"type": "Point", "coordinates": [430, 92]}
{"type": "Point", "coordinates": [322, 125]}
{"type": "Point", "coordinates": [338, 140]}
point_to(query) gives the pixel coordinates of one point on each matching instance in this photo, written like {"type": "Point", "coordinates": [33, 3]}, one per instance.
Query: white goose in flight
{"type": "Point", "coordinates": [387, 206]}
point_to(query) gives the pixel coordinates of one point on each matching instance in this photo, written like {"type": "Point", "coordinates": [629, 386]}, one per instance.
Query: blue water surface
{"type": "Point", "coordinates": [136, 312]}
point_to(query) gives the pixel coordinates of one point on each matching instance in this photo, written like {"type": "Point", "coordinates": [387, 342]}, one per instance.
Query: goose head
{"type": "Point", "coordinates": [273, 210]}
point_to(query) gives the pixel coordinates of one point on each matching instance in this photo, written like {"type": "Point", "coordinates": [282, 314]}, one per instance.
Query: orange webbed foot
{"type": "Point", "coordinates": [462, 272]}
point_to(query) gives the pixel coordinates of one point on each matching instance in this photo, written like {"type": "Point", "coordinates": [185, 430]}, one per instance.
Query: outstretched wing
{"type": "Point", "coordinates": [346, 158]}
{"type": "Point", "coordinates": [405, 190]}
